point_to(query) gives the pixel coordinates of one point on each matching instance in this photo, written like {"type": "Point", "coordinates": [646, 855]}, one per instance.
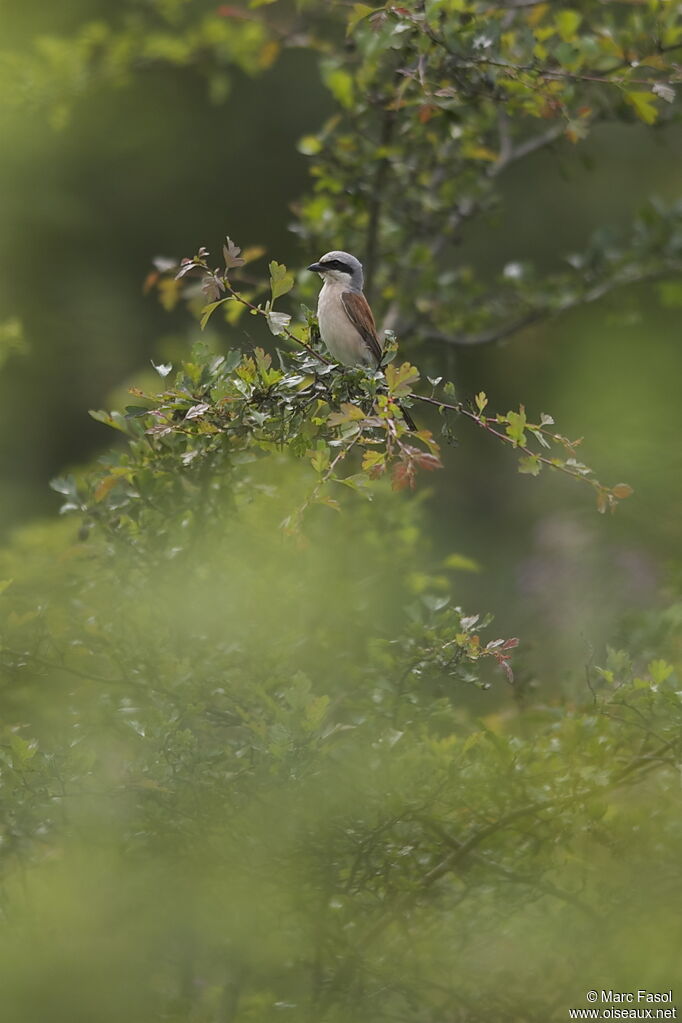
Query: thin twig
{"type": "Point", "coordinates": [378, 189]}
{"type": "Point", "coordinates": [485, 424]}
{"type": "Point", "coordinates": [287, 333]}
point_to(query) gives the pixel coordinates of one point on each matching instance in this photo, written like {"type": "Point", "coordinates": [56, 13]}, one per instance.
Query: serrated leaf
{"type": "Point", "coordinates": [278, 322]}
{"type": "Point", "coordinates": [427, 461]}
{"type": "Point", "coordinates": [320, 459]}
{"type": "Point", "coordinates": [163, 368]}
{"type": "Point", "coordinates": [401, 379]}
{"type": "Point", "coordinates": [530, 464]}
{"type": "Point", "coordinates": [348, 414]}
{"type": "Point", "coordinates": [185, 267]}
{"type": "Point", "coordinates": [374, 463]}
{"type": "Point", "coordinates": [281, 279]}
{"type": "Point", "coordinates": [644, 105]}
{"type": "Point", "coordinates": [231, 255]}
{"type": "Point", "coordinates": [516, 425]}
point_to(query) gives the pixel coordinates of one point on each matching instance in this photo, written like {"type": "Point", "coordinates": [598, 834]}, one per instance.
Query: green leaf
{"type": "Point", "coordinates": [374, 463]}
{"type": "Point", "coordinates": [340, 84]}
{"type": "Point", "coordinates": [320, 459]}
{"type": "Point", "coordinates": [567, 23]}
{"type": "Point", "coordinates": [516, 426]}
{"type": "Point", "coordinates": [309, 145]}
{"type": "Point", "coordinates": [359, 483]}
{"type": "Point", "coordinates": [481, 401]}
{"type": "Point", "coordinates": [644, 105]}
{"type": "Point", "coordinates": [460, 563]}
{"type": "Point", "coordinates": [22, 751]}
{"type": "Point", "coordinates": [401, 379]}
{"type": "Point", "coordinates": [530, 464]}
{"type": "Point", "coordinates": [281, 279]}
{"type": "Point", "coordinates": [359, 13]}
{"type": "Point", "coordinates": [660, 671]}
{"type": "Point", "coordinates": [66, 484]}
{"type": "Point", "coordinates": [113, 419]}
{"type": "Point", "coordinates": [209, 309]}
{"type": "Point", "coordinates": [348, 414]}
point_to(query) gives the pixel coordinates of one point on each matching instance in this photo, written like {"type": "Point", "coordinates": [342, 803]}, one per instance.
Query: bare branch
{"type": "Point", "coordinates": [504, 330]}
{"type": "Point", "coordinates": [509, 154]}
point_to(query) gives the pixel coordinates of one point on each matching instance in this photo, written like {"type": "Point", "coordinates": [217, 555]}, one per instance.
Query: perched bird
{"type": "Point", "coordinates": [346, 323]}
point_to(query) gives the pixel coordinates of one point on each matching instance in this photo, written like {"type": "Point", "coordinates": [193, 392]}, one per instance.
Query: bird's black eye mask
{"type": "Point", "coordinates": [336, 264]}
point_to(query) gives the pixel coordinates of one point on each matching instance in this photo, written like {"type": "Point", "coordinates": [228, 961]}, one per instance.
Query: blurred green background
{"type": "Point", "coordinates": [153, 166]}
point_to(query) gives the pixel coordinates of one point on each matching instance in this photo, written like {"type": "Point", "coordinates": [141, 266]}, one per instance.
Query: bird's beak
{"type": "Point", "coordinates": [317, 268]}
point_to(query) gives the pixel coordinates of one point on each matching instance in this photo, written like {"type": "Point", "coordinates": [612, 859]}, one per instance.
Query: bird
{"type": "Point", "coordinates": [346, 322]}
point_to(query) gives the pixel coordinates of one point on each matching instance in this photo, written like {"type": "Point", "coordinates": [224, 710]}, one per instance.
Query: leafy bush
{"type": "Point", "coordinates": [240, 777]}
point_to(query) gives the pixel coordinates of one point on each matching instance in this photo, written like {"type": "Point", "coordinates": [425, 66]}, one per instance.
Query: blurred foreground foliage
{"type": "Point", "coordinates": [240, 780]}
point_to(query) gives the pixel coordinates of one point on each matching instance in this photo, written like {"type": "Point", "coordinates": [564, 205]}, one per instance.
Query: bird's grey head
{"type": "Point", "coordinates": [340, 266]}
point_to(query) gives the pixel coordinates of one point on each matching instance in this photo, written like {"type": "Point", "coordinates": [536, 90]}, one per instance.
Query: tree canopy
{"type": "Point", "coordinates": [257, 759]}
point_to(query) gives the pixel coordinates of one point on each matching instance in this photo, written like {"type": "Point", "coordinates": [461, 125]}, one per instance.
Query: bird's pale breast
{"type": "Point", "coordinates": [338, 333]}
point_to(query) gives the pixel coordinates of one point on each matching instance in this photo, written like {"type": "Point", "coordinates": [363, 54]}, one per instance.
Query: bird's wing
{"type": "Point", "coordinates": [360, 315]}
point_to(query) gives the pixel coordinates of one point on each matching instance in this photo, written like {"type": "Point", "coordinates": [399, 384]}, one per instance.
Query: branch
{"type": "Point", "coordinates": [498, 333]}
{"type": "Point", "coordinates": [287, 333]}
{"type": "Point", "coordinates": [607, 497]}
{"type": "Point", "coordinates": [488, 337]}
{"type": "Point", "coordinates": [460, 850]}
{"type": "Point", "coordinates": [540, 884]}
{"type": "Point", "coordinates": [378, 188]}
{"type": "Point", "coordinates": [573, 76]}
{"type": "Point", "coordinates": [511, 155]}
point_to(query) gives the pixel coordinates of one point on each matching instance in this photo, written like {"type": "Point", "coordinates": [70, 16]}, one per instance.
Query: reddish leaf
{"type": "Point", "coordinates": [403, 476]}
{"type": "Point", "coordinates": [427, 461]}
